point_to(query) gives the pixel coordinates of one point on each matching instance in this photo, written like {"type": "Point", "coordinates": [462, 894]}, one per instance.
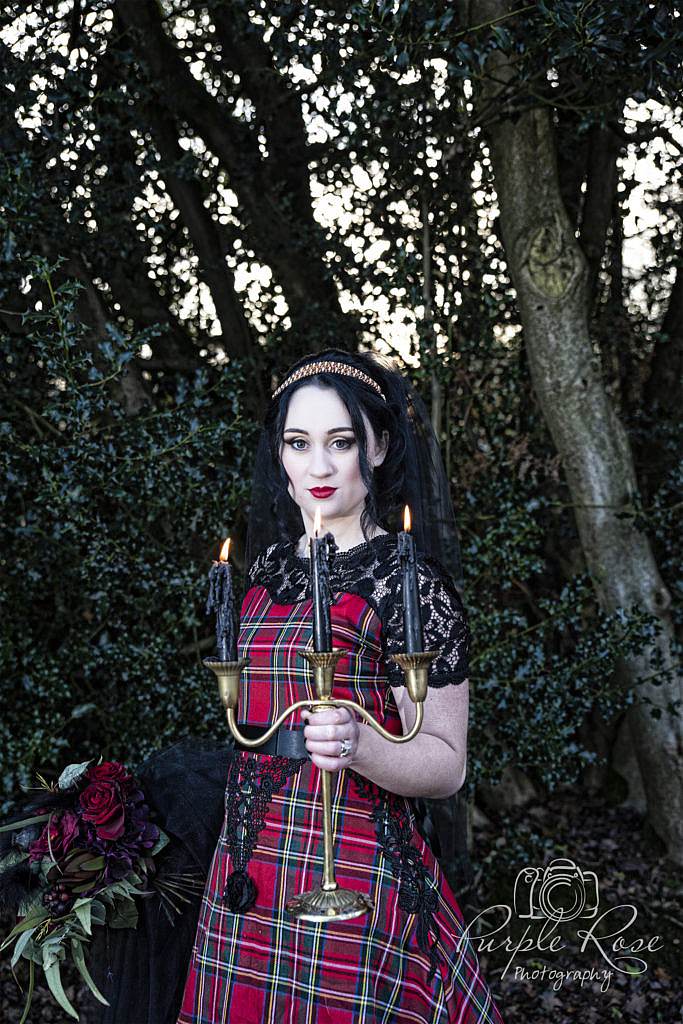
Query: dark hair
{"type": "Point", "coordinates": [384, 483]}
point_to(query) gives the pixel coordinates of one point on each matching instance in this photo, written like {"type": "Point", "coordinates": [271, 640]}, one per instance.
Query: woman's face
{"type": "Point", "coordinates": [320, 457]}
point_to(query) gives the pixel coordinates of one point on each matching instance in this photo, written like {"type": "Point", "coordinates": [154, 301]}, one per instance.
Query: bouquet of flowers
{"type": "Point", "coordinates": [80, 859]}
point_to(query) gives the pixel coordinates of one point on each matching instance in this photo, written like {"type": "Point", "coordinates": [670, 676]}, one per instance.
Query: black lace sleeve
{"type": "Point", "coordinates": [444, 622]}
{"type": "Point", "coordinates": [257, 569]}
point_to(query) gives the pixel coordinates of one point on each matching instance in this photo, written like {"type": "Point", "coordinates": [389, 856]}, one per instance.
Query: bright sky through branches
{"type": "Point", "coordinates": [339, 208]}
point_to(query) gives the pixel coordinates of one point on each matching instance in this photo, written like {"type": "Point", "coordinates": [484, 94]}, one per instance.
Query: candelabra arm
{"type": "Point", "coordinates": [366, 716]}
{"type": "Point", "coordinates": [253, 744]}
{"type": "Point", "coordinates": [328, 900]}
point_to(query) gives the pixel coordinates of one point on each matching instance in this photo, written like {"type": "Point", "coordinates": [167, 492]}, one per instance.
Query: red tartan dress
{"type": "Point", "coordinates": [403, 963]}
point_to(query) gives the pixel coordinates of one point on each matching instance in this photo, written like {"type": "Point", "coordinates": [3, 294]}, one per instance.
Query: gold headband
{"type": "Point", "coordinates": [328, 366]}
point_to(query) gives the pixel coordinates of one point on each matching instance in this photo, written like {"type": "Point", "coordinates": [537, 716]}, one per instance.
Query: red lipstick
{"type": "Point", "coordinates": [322, 492]}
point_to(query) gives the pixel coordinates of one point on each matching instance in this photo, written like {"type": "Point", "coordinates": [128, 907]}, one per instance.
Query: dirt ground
{"type": "Point", "coordinates": [630, 872]}
{"type": "Point", "coordinates": [535, 986]}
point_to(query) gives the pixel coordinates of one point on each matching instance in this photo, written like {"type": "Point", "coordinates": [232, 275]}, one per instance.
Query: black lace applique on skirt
{"type": "Point", "coordinates": [252, 783]}
{"type": "Point", "coordinates": [417, 895]}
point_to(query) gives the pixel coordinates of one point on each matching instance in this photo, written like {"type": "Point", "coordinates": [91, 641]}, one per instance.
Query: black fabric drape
{"type": "Point", "coordinates": [142, 971]}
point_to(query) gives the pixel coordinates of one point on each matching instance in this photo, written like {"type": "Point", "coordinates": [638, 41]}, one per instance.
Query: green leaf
{"type": "Point", "coordinates": [161, 842]}
{"type": "Point", "coordinates": [98, 912]}
{"type": "Point", "coordinates": [28, 922]}
{"type": "Point", "coordinates": [121, 888]}
{"type": "Point", "coordinates": [72, 773]}
{"type": "Point", "coordinates": [79, 960]}
{"type": "Point", "coordinates": [125, 915]}
{"type": "Point", "coordinates": [54, 980]}
{"type": "Point", "coordinates": [50, 950]}
{"type": "Point", "coordinates": [22, 942]}
{"type": "Point", "coordinates": [29, 994]}
{"type": "Point", "coordinates": [22, 824]}
{"type": "Point", "coordinates": [11, 859]}
{"type": "Point", "coordinates": [96, 864]}
{"type": "Point", "coordinates": [82, 910]}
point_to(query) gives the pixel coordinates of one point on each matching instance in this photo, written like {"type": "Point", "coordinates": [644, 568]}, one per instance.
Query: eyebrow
{"type": "Point", "coordinates": [298, 430]}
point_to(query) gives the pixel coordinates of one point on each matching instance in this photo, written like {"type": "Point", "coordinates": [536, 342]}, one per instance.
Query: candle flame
{"type": "Point", "coordinates": [317, 521]}
{"type": "Point", "coordinates": [225, 551]}
{"type": "Point", "coordinates": [406, 518]}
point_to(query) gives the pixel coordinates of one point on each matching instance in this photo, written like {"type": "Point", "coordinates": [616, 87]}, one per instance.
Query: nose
{"type": "Point", "coordinates": [320, 465]}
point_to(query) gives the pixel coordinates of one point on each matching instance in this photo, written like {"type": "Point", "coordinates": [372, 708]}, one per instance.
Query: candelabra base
{"type": "Point", "coordinates": [326, 904]}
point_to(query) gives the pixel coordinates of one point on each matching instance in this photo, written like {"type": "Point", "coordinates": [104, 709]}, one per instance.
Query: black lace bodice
{"type": "Point", "coordinates": [372, 571]}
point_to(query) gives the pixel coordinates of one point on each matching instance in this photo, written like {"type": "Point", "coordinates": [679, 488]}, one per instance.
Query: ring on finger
{"type": "Point", "coordinates": [345, 748]}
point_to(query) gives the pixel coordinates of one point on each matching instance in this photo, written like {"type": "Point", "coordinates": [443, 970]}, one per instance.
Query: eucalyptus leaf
{"type": "Point", "coordinates": [79, 960]}
{"type": "Point", "coordinates": [72, 774]}
{"type": "Point", "coordinates": [21, 946]}
{"type": "Point", "coordinates": [54, 979]}
{"type": "Point", "coordinates": [98, 912]}
{"type": "Point", "coordinates": [26, 821]}
{"type": "Point", "coordinates": [50, 953]}
{"type": "Point", "coordinates": [29, 994]}
{"type": "Point", "coordinates": [22, 926]}
{"type": "Point", "coordinates": [83, 911]}
{"type": "Point", "coordinates": [161, 842]}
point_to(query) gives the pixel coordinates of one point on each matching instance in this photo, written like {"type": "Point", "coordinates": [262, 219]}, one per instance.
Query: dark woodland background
{"type": "Point", "coordinates": [194, 195]}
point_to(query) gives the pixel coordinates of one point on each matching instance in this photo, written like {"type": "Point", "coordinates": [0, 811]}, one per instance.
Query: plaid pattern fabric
{"type": "Point", "coordinates": [263, 966]}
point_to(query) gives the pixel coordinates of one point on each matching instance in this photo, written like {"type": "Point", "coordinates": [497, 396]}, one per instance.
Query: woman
{"type": "Point", "coordinates": [345, 434]}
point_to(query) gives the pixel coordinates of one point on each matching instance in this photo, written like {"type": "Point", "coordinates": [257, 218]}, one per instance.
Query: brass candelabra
{"type": "Point", "coordinates": [328, 901]}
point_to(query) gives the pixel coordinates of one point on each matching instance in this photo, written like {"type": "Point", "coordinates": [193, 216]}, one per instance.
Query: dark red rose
{"type": "Point", "coordinates": [101, 803]}
{"type": "Point", "coordinates": [111, 771]}
{"type": "Point", "coordinates": [58, 835]}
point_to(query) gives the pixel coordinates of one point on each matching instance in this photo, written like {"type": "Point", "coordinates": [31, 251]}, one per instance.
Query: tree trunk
{"type": "Point", "coordinates": [550, 274]}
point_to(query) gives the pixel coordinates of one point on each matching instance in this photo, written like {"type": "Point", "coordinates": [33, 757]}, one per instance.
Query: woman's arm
{"type": "Point", "coordinates": [433, 764]}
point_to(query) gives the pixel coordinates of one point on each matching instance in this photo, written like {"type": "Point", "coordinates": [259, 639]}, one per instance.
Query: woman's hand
{"type": "Point", "coordinates": [324, 732]}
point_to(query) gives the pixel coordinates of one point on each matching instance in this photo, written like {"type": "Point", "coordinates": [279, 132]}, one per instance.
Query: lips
{"type": "Point", "coordinates": [322, 492]}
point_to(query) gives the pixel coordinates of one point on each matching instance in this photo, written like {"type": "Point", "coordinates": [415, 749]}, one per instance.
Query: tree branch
{"type": "Point", "coordinates": [284, 234]}
{"type": "Point", "coordinates": [601, 189]}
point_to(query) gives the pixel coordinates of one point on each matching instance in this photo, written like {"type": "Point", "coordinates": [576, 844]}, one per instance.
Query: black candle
{"type": "Point", "coordinates": [322, 550]}
{"type": "Point", "coordinates": [222, 600]}
{"type": "Point", "coordinates": [412, 616]}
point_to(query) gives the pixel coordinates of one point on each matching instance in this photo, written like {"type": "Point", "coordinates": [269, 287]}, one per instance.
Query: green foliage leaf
{"type": "Point", "coordinates": [22, 946]}
{"type": "Point", "coordinates": [54, 980]}
{"type": "Point", "coordinates": [83, 910]}
{"type": "Point", "coordinates": [72, 774]}
{"type": "Point", "coordinates": [161, 842]}
{"type": "Point", "coordinates": [16, 825]}
{"type": "Point", "coordinates": [79, 960]}
{"type": "Point", "coordinates": [94, 864]}
{"type": "Point", "coordinates": [27, 924]}
{"type": "Point", "coordinates": [125, 915]}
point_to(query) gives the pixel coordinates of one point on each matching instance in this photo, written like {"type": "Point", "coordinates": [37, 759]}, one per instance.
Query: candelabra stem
{"type": "Point", "coordinates": [329, 900]}
{"type": "Point", "coordinates": [329, 881]}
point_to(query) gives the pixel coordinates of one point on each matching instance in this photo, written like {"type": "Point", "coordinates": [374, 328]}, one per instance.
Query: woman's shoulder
{"type": "Point", "coordinates": [445, 624]}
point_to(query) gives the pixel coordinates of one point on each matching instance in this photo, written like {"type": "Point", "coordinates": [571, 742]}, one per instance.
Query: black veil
{"type": "Point", "coordinates": [142, 972]}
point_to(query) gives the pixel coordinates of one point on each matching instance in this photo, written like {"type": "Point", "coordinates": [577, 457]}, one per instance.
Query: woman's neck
{"type": "Point", "coordinates": [343, 543]}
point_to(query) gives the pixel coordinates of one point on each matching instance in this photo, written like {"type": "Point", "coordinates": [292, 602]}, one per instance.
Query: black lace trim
{"type": "Point", "coordinates": [252, 783]}
{"type": "Point", "coordinates": [372, 571]}
{"type": "Point", "coordinates": [417, 895]}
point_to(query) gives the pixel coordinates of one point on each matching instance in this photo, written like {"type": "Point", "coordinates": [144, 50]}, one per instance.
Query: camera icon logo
{"type": "Point", "coordinates": [561, 891]}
